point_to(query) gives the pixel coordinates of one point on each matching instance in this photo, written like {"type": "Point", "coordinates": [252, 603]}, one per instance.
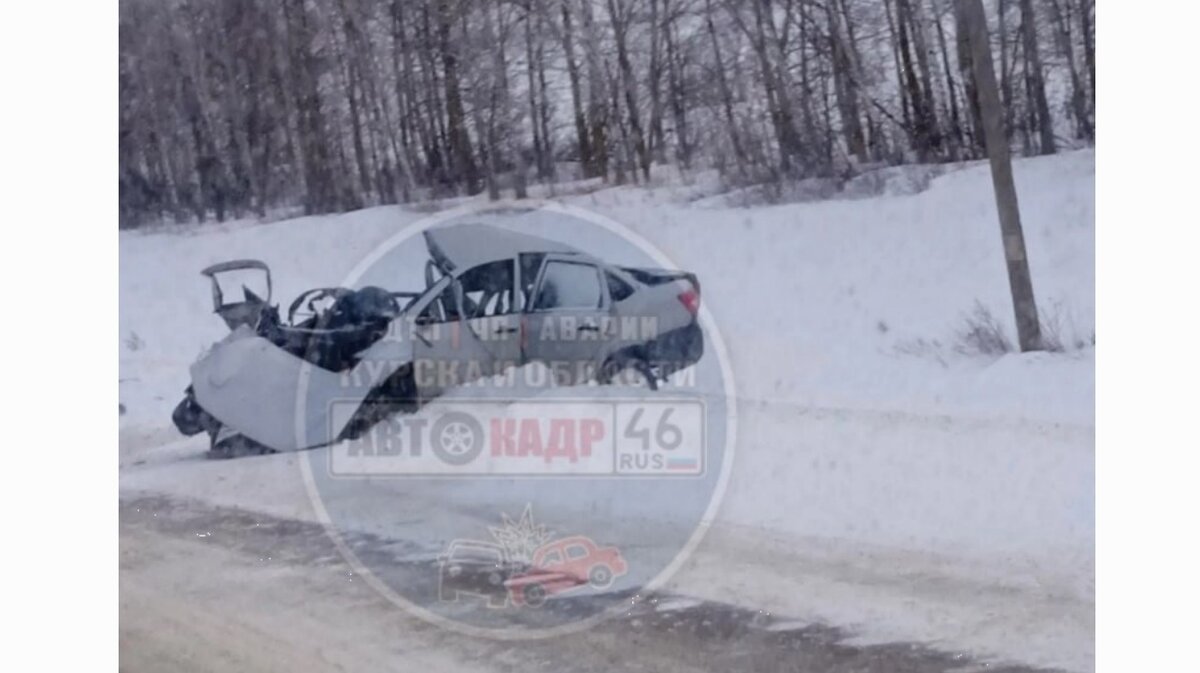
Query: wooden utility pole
{"type": "Point", "coordinates": [973, 23]}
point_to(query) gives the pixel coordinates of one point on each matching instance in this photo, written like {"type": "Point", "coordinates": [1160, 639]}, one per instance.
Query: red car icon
{"type": "Point", "coordinates": [564, 565]}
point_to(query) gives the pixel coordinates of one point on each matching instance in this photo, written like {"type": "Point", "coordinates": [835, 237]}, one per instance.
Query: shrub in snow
{"type": "Point", "coordinates": [982, 334]}
{"type": "Point", "coordinates": [1059, 332]}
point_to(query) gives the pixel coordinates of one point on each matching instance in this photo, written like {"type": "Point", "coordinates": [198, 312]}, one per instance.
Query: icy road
{"type": "Point", "coordinates": [225, 566]}
{"type": "Point", "coordinates": [210, 589]}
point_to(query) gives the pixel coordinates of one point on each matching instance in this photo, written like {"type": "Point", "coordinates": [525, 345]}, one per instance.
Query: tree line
{"type": "Point", "coordinates": [238, 107]}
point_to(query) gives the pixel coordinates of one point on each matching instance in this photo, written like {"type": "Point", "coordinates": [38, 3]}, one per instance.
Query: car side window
{"type": "Point", "coordinates": [576, 551]}
{"type": "Point", "coordinates": [488, 289]}
{"type": "Point", "coordinates": [568, 285]}
{"type": "Point", "coordinates": [552, 558]}
{"type": "Point", "coordinates": [618, 289]}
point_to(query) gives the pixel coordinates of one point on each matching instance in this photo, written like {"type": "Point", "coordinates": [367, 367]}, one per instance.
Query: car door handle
{"type": "Point", "coordinates": [505, 330]}
{"type": "Point", "coordinates": [588, 328]}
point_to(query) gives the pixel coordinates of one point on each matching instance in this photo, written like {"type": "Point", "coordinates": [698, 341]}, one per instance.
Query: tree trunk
{"type": "Point", "coordinates": [924, 122]}
{"type": "Point", "coordinates": [678, 97]}
{"type": "Point", "coordinates": [1005, 67]}
{"type": "Point", "coordinates": [539, 151]}
{"type": "Point", "coordinates": [1037, 87]}
{"type": "Point", "coordinates": [966, 66]}
{"type": "Point", "coordinates": [845, 86]}
{"type": "Point", "coordinates": [1089, 45]}
{"type": "Point", "coordinates": [581, 125]}
{"type": "Point", "coordinates": [951, 94]}
{"type": "Point", "coordinates": [654, 85]}
{"type": "Point", "coordinates": [1079, 108]}
{"type": "Point", "coordinates": [726, 94]}
{"type": "Point", "coordinates": [619, 15]}
{"type": "Point", "coordinates": [464, 171]}
{"type": "Point", "coordinates": [598, 97]}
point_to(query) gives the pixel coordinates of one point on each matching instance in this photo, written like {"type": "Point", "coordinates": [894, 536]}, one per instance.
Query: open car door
{"type": "Point", "coordinates": [446, 351]}
{"type": "Point", "coordinates": [567, 325]}
{"type": "Point", "coordinates": [492, 311]}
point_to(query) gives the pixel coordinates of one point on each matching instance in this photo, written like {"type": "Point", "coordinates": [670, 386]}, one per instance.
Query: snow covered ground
{"type": "Point", "coordinates": [884, 481]}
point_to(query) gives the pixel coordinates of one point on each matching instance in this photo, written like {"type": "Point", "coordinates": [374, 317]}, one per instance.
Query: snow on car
{"type": "Point", "coordinates": [494, 299]}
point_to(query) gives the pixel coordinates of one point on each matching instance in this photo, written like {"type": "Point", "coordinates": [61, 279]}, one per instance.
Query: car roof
{"type": "Point", "coordinates": [464, 246]}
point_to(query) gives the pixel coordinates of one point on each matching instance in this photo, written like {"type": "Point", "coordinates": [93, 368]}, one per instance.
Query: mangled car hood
{"type": "Point", "coordinates": [280, 400]}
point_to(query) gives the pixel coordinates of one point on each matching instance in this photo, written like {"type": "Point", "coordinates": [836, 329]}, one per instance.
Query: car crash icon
{"type": "Point", "coordinates": [565, 565]}
{"type": "Point", "coordinates": [485, 570]}
{"type": "Point", "coordinates": [475, 568]}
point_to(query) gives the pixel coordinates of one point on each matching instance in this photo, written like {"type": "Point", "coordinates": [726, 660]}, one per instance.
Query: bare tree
{"type": "Point", "coordinates": [1034, 80]}
{"type": "Point", "coordinates": [229, 107]}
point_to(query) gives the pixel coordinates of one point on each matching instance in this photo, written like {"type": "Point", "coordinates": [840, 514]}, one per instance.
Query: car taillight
{"type": "Point", "coordinates": [691, 301]}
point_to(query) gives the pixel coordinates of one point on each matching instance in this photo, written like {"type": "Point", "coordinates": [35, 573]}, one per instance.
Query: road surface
{"type": "Point", "coordinates": [212, 589]}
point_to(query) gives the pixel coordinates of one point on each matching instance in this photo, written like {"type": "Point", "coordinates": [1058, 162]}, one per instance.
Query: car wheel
{"type": "Point", "coordinates": [628, 371]}
{"type": "Point", "coordinates": [600, 577]}
{"type": "Point", "coordinates": [534, 595]}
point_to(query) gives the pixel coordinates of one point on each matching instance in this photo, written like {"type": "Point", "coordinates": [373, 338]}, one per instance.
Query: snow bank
{"type": "Point", "coordinates": [884, 481]}
{"type": "Point", "coordinates": [821, 303]}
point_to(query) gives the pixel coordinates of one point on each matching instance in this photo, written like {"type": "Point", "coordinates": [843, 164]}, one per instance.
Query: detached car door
{"type": "Point", "coordinates": [567, 320]}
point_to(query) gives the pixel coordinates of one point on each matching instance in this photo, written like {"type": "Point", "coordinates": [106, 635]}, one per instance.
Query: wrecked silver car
{"type": "Point", "coordinates": [494, 300]}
